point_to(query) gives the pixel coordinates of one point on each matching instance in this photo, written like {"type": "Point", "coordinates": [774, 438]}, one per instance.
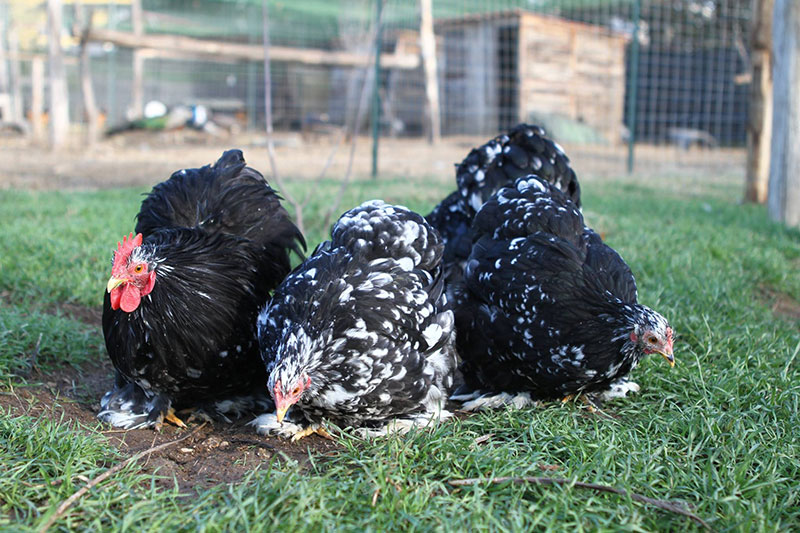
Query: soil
{"type": "Point", "coordinates": [218, 453]}
{"type": "Point", "coordinates": [143, 159]}
{"type": "Point", "coordinates": [782, 305]}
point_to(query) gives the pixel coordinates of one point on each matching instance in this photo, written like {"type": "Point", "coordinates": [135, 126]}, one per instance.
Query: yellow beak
{"type": "Point", "coordinates": [281, 413]}
{"type": "Point", "coordinates": [113, 283]}
{"type": "Point", "coordinates": [669, 357]}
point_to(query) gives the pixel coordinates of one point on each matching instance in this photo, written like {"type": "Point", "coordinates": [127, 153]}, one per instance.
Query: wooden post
{"type": "Point", "coordinates": [268, 99]}
{"type": "Point", "coordinates": [37, 98]}
{"type": "Point", "coordinates": [429, 64]}
{"type": "Point", "coordinates": [251, 92]}
{"type": "Point", "coordinates": [783, 199]}
{"type": "Point", "coordinates": [759, 121]}
{"type": "Point", "coordinates": [59, 96]}
{"type": "Point", "coordinates": [5, 82]}
{"type": "Point", "coordinates": [137, 83]}
{"type": "Point", "coordinates": [89, 102]}
{"type": "Point", "coordinates": [16, 74]}
{"type": "Point", "coordinates": [633, 86]}
{"type": "Point", "coordinates": [376, 94]}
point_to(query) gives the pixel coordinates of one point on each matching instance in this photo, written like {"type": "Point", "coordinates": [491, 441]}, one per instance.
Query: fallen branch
{"type": "Point", "coordinates": [69, 502]}
{"type": "Point", "coordinates": [673, 507]}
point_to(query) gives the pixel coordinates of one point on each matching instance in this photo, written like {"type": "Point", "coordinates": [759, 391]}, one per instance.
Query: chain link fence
{"type": "Point", "coordinates": [665, 81]}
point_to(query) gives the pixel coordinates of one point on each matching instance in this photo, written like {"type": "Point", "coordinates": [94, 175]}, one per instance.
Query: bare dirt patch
{"type": "Point", "coordinates": [218, 453]}
{"type": "Point", "coordinates": [781, 304]}
{"type": "Point", "coordinates": [786, 307]}
{"type": "Point", "coordinates": [88, 315]}
{"type": "Point", "coordinates": [143, 159]}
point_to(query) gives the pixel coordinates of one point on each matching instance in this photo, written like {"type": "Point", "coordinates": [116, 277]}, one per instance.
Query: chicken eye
{"type": "Point", "coordinates": [296, 391]}
{"type": "Point", "coordinates": [652, 340]}
{"type": "Point", "coordinates": [139, 268]}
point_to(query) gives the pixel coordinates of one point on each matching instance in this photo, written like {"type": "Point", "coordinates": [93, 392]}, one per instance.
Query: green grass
{"type": "Point", "coordinates": [719, 431]}
{"type": "Point", "coordinates": [50, 339]}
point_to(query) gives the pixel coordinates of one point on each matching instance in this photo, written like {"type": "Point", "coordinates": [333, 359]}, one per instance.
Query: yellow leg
{"type": "Point", "coordinates": [310, 430]}
{"type": "Point", "coordinates": [585, 399]}
{"type": "Point", "coordinates": [588, 402]}
{"type": "Point", "coordinates": [305, 432]}
{"type": "Point", "coordinates": [171, 417]}
{"type": "Point", "coordinates": [322, 432]}
{"type": "Point", "coordinates": [195, 415]}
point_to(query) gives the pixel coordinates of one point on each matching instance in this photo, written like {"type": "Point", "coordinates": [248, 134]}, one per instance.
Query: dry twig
{"type": "Point", "coordinates": [673, 507]}
{"type": "Point", "coordinates": [33, 365]}
{"type": "Point", "coordinates": [69, 502]}
{"type": "Point", "coordinates": [483, 438]}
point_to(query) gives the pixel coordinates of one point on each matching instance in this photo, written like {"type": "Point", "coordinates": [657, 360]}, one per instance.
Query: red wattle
{"type": "Point", "coordinates": [116, 294]}
{"type": "Point", "coordinates": [131, 297]}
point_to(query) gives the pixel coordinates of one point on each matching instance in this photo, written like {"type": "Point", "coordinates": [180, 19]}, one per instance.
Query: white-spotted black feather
{"type": "Point", "coordinates": [545, 307]}
{"type": "Point", "coordinates": [364, 320]}
{"type": "Point", "coordinates": [524, 150]}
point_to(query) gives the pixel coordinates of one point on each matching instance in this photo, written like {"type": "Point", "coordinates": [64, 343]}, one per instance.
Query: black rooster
{"type": "Point", "coordinates": [357, 334]}
{"type": "Point", "coordinates": [523, 150]}
{"type": "Point", "coordinates": [546, 310]}
{"type": "Point", "coordinates": [180, 308]}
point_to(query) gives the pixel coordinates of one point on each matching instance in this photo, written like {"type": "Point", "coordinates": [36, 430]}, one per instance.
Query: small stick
{"type": "Point", "coordinates": [42, 485]}
{"type": "Point", "coordinates": [69, 502]}
{"type": "Point", "coordinates": [32, 361]}
{"type": "Point", "coordinates": [661, 504]}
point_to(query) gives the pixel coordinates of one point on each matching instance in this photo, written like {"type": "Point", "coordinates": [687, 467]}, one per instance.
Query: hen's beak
{"type": "Point", "coordinates": [281, 412]}
{"type": "Point", "coordinates": [113, 283]}
{"type": "Point", "coordinates": [669, 357]}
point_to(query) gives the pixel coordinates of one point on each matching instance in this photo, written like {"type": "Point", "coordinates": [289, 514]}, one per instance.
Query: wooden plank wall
{"type": "Point", "coordinates": [572, 69]}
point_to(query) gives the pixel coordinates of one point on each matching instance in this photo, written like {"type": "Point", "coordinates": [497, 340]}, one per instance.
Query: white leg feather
{"type": "Point", "coordinates": [124, 419]}
{"type": "Point", "coordinates": [503, 399]}
{"type": "Point", "coordinates": [267, 424]}
{"type": "Point", "coordinates": [618, 389]}
{"type": "Point", "coordinates": [401, 426]}
{"type": "Point", "coordinates": [466, 396]}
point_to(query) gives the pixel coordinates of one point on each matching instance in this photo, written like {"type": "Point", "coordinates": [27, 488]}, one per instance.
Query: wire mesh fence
{"type": "Point", "coordinates": [669, 78]}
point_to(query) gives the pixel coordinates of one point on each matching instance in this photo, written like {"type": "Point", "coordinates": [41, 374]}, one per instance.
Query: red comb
{"type": "Point", "coordinates": [125, 248]}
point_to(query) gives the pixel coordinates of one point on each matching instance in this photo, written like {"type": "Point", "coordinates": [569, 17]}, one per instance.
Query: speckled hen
{"type": "Point", "coordinates": [545, 309]}
{"type": "Point", "coordinates": [358, 335]}
{"type": "Point", "coordinates": [181, 304]}
{"type": "Point", "coordinates": [524, 150]}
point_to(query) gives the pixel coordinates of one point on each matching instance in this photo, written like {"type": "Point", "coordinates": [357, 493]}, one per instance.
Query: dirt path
{"type": "Point", "coordinates": [147, 158]}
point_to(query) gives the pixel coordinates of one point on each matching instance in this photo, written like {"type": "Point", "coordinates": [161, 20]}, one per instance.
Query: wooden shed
{"type": "Point", "coordinates": [502, 68]}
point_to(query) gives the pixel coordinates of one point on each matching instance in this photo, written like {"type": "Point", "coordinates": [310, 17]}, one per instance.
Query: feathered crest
{"type": "Point", "coordinates": [125, 248]}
